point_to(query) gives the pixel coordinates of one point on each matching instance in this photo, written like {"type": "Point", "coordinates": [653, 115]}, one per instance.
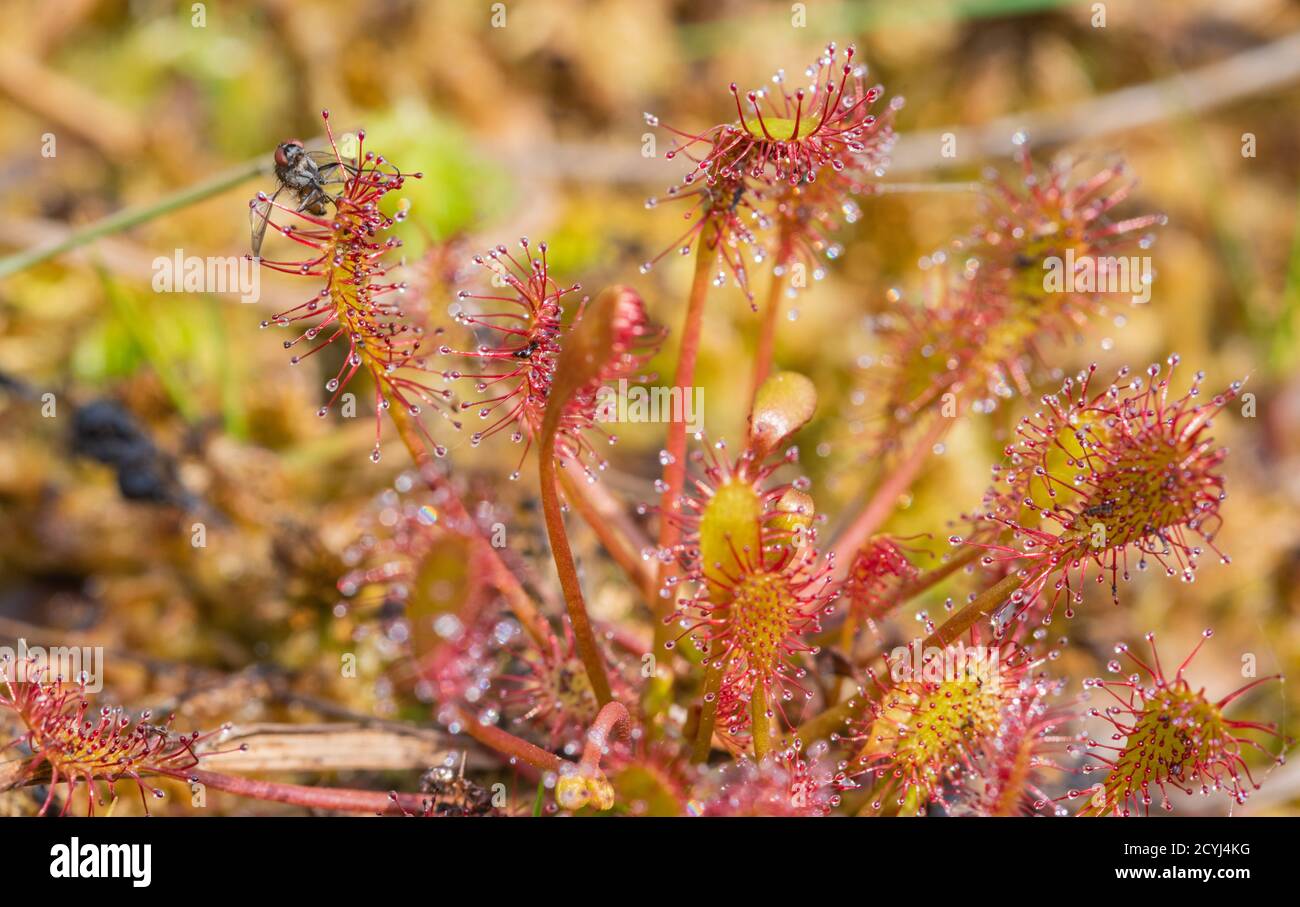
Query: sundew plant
{"type": "Point", "coordinates": [734, 508]}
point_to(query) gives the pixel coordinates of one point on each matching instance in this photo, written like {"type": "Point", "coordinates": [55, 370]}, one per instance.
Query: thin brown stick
{"type": "Point", "coordinates": [54, 98]}
{"type": "Point", "coordinates": [326, 748]}
{"type": "Point", "coordinates": [1250, 72]}
{"type": "Point", "coordinates": [1256, 71]}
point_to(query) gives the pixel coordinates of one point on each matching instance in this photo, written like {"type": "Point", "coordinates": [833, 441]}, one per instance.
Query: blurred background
{"type": "Point", "coordinates": [527, 118]}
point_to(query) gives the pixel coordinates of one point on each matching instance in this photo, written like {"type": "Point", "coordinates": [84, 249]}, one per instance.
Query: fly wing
{"type": "Point", "coordinates": [330, 168]}
{"type": "Point", "coordinates": [259, 215]}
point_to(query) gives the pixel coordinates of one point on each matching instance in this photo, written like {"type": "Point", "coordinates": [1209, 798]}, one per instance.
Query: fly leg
{"type": "Point", "coordinates": [314, 201]}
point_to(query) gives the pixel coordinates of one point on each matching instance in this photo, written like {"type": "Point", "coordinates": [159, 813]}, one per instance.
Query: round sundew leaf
{"type": "Point", "coordinates": [783, 405]}
{"type": "Point", "coordinates": [599, 337]}
{"type": "Point", "coordinates": [924, 729]}
{"type": "Point", "coordinates": [795, 511]}
{"type": "Point", "coordinates": [729, 525]}
{"type": "Point", "coordinates": [1178, 737]}
{"type": "Point", "coordinates": [782, 129]}
{"type": "Point", "coordinates": [1125, 468]}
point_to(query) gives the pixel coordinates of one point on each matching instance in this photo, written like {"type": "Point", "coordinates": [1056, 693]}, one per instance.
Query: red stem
{"type": "Point", "coordinates": [510, 745]}
{"type": "Point", "coordinates": [885, 499]}
{"type": "Point", "coordinates": [341, 799]}
{"type": "Point", "coordinates": [613, 717]}
{"type": "Point", "coordinates": [584, 635]}
{"type": "Point", "coordinates": [674, 476]}
{"type": "Point", "coordinates": [766, 348]}
{"type": "Point", "coordinates": [983, 605]}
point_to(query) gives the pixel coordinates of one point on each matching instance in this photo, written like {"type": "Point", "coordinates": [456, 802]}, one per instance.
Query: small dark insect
{"type": "Point", "coordinates": [452, 794]}
{"type": "Point", "coordinates": [1105, 508]}
{"type": "Point", "coordinates": [304, 173]}
{"type": "Point", "coordinates": [527, 351]}
{"type": "Point", "coordinates": [737, 197]}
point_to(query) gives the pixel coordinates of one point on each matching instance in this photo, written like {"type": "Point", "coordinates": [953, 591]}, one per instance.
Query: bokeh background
{"type": "Point", "coordinates": [536, 128]}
